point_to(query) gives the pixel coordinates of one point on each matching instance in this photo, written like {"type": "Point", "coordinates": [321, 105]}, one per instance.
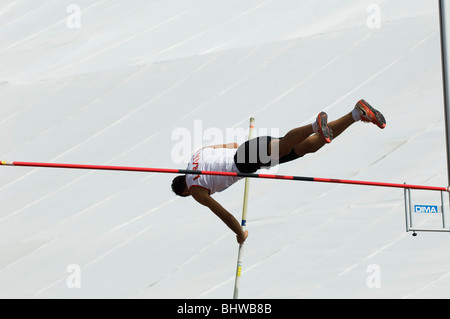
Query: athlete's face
{"type": "Point", "coordinates": [186, 193]}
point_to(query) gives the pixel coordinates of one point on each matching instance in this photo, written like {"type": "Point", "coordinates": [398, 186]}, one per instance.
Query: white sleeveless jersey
{"type": "Point", "coordinates": [217, 160]}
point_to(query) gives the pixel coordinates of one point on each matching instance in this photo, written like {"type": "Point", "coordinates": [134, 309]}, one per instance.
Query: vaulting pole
{"type": "Point", "coordinates": [184, 171]}
{"type": "Point", "coordinates": [244, 223]}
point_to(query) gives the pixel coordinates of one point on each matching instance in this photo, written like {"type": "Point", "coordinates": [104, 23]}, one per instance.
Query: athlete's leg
{"type": "Point", "coordinates": [298, 142]}
{"type": "Point", "coordinates": [281, 147]}
{"type": "Point", "coordinates": [363, 111]}
{"type": "Point", "coordinates": [315, 142]}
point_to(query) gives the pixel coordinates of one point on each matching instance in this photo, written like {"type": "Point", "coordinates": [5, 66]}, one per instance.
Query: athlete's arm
{"type": "Point", "coordinates": [229, 145]}
{"type": "Point", "coordinates": [202, 196]}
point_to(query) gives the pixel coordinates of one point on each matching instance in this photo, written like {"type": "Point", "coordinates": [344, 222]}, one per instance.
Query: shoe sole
{"type": "Point", "coordinates": [324, 130]}
{"type": "Point", "coordinates": [376, 115]}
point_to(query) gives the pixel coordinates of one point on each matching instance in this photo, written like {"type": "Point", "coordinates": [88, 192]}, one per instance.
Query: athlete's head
{"type": "Point", "coordinates": [179, 186]}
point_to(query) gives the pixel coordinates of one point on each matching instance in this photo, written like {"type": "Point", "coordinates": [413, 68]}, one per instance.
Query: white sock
{"type": "Point", "coordinates": [315, 127]}
{"type": "Point", "coordinates": [356, 115]}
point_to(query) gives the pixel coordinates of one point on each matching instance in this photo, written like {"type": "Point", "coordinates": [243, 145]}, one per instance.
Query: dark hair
{"type": "Point", "coordinates": [179, 185]}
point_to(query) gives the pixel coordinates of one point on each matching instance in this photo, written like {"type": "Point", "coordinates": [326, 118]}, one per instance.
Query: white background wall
{"type": "Point", "coordinates": [114, 86]}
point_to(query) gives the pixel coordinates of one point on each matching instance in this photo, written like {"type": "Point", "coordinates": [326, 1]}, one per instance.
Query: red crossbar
{"type": "Point", "coordinates": [182, 171]}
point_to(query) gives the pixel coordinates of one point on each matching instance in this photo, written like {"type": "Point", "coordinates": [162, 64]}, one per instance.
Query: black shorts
{"type": "Point", "coordinates": [254, 155]}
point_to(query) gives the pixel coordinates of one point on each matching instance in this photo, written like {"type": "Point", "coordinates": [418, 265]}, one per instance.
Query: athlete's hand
{"type": "Point", "coordinates": [241, 239]}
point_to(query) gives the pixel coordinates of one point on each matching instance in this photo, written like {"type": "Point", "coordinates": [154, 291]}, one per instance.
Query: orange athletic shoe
{"type": "Point", "coordinates": [323, 129]}
{"type": "Point", "coordinates": [370, 115]}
